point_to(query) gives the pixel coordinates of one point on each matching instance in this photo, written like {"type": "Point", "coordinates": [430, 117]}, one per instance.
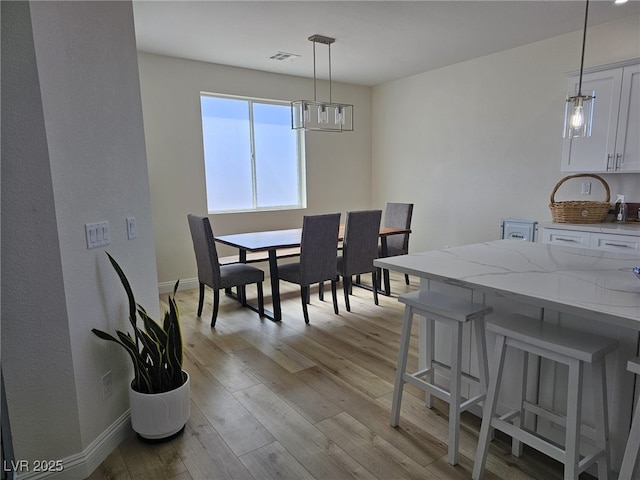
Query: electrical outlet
{"type": "Point", "coordinates": [107, 385]}
{"type": "Point", "coordinates": [586, 188]}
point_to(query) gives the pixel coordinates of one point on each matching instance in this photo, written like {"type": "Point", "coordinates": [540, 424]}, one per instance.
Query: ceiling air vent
{"type": "Point", "coordinates": [281, 56]}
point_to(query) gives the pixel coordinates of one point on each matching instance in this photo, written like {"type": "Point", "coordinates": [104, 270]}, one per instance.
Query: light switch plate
{"type": "Point", "coordinates": [97, 234]}
{"type": "Point", "coordinates": [132, 229]}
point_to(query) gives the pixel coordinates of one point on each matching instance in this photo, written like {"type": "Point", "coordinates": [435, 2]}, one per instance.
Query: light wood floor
{"type": "Point", "coordinates": [293, 401]}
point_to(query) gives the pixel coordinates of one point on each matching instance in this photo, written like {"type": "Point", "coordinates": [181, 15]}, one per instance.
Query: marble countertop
{"type": "Point", "coordinates": [630, 228]}
{"type": "Point", "coordinates": [591, 283]}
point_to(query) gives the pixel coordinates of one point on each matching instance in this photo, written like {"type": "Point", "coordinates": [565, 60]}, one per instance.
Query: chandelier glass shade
{"type": "Point", "coordinates": [578, 112]}
{"type": "Point", "coordinates": [319, 115]}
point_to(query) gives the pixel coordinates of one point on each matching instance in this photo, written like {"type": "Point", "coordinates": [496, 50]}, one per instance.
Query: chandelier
{"type": "Point", "coordinates": [317, 115]}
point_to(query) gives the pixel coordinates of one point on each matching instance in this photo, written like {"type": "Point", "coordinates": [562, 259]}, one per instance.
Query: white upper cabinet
{"type": "Point", "coordinates": [614, 144]}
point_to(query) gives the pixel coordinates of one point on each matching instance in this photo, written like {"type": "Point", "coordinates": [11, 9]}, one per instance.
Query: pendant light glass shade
{"type": "Point", "coordinates": [578, 111]}
{"type": "Point", "coordinates": [322, 116]}
{"type": "Point", "coordinates": [317, 115]}
{"type": "Point", "coordinates": [578, 115]}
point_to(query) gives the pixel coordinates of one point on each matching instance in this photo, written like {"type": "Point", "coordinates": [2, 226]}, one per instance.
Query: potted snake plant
{"type": "Point", "coordinates": [159, 391]}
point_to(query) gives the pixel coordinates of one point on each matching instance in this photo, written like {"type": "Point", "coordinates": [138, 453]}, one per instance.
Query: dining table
{"type": "Point", "coordinates": [273, 240]}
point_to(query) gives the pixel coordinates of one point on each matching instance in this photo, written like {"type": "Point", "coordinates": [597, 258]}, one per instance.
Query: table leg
{"type": "Point", "coordinates": [275, 286]}
{"type": "Point", "coordinates": [385, 272]}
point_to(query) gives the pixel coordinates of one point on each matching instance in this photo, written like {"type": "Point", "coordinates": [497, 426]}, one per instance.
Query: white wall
{"type": "Point", "coordinates": [338, 165]}
{"type": "Point", "coordinates": [73, 153]}
{"type": "Point", "coordinates": [479, 141]}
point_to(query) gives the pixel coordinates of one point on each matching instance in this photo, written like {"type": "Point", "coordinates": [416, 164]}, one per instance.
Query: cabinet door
{"type": "Point", "coordinates": [627, 157]}
{"type": "Point", "coordinates": [596, 153]}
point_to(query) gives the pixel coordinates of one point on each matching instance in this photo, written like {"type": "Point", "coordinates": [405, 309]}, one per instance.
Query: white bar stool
{"type": "Point", "coordinates": [571, 347]}
{"type": "Point", "coordinates": [455, 313]}
{"type": "Point", "coordinates": [633, 444]}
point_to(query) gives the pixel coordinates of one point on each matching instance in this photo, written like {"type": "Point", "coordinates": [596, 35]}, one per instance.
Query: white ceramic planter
{"type": "Point", "coordinates": [160, 415]}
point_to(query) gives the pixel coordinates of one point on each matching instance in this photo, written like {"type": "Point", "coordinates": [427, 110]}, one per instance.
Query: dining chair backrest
{"type": "Point", "coordinates": [360, 244]}
{"type": "Point", "coordinates": [319, 247]}
{"type": "Point", "coordinates": [205, 249]}
{"type": "Point", "coordinates": [398, 215]}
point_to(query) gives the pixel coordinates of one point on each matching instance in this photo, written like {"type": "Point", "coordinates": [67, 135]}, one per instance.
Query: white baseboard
{"type": "Point", "coordinates": [185, 284]}
{"type": "Point", "coordinates": [81, 465]}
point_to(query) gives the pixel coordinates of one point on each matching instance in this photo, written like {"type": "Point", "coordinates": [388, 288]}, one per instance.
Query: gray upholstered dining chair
{"type": "Point", "coordinates": [359, 249]}
{"type": "Point", "coordinates": [397, 215]}
{"type": "Point", "coordinates": [318, 261]}
{"type": "Point", "coordinates": [217, 276]}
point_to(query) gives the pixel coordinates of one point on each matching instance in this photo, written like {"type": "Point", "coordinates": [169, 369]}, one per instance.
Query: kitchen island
{"type": "Point", "coordinates": [584, 289]}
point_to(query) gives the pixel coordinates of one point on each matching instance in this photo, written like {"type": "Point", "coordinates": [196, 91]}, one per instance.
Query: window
{"type": "Point", "coordinates": [253, 159]}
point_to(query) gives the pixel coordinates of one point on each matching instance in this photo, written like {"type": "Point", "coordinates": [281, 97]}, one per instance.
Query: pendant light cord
{"type": "Point", "coordinates": [329, 73]}
{"type": "Point", "coordinates": [584, 41]}
{"type": "Point", "coordinates": [314, 72]}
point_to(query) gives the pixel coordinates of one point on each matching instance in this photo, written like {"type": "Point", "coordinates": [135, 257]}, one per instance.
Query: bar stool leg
{"type": "Point", "coordinates": [403, 353]}
{"type": "Point", "coordinates": [602, 417]}
{"type": "Point", "coordinates": [454, 399]}
{"type": "Point", "coordinates": [429, 354]}
{"type": "Point", "coordinates": [574, 413]}
{"type": "Point", "coordinates": [633, 447]}
{"type": "Point", "coordinates": [481, 345]}
{"type": "Point", "coordinates": [489, 409]}
{"type": "Point", "coordinates": [516, 445]}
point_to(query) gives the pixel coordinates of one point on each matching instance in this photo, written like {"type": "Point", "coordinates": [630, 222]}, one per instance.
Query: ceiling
{"type": "Point", "coordinates": [376, 41]}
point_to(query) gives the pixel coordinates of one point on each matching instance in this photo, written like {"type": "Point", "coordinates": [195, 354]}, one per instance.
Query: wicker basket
{"type": "Point", "coordinates": [579, 212]}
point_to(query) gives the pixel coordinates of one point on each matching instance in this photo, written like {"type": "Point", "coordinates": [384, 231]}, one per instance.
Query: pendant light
{"type": "Point", "coordinates": [321, 116]}
{"type": "Point", "coordinates": [578, 113]}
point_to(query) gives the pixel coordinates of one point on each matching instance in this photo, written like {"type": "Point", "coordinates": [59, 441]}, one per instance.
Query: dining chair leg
{"type": "Point", "coordinates": [242, 290]}
{"type": "Point", "coordinates": [260, 300]}
{"type": "Point", "coordinates": [346, 284]}
{"type": "Point", "coordinates": [304, 294]}
{"type": "Point", "coordinates": [406, 279]}
{"type": "Point", "coordinates": [374, 289]}
{"type": "Point", "coordinates": [321, 291]}
{"type": "Point", "coordinates": [201, 299]}
{"type": "Point", "coordinates": [216, 301]}
{"type": "Point", "coordinates": [335, 296]}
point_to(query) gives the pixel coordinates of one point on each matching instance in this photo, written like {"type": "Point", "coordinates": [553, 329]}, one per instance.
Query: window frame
{"type": "Point", "coordinates": [301, 186]}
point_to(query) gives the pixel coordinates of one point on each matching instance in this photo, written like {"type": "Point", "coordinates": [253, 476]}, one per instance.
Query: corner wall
{"type": "Point", "coordinates": [73, 153]}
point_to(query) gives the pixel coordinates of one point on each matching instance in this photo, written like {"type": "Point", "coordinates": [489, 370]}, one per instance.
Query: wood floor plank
{"type": "Point", "coordinates": [242, 432]}
{"type": "Point", "coordinates": [217, 362]}
{"type": "Point", "coordinates": [371, 450]}
{"type": "Point", "coordinates": [416, 442]}
{"type": "Point", "coordinates": [205, 454]}
{"type": "Point", "coordinates": [146, 461]}
{"type": "Point", "coordinates": [274, 462]}
{"type": "Point", "coordinates": [308, 402]}
{"type": "Point", "coordinates": [350, 372]}
{"type": "Point", "coordinates": [112, 468]}
{"type": "Point", "coordinates": [289, 358]}
{"type": "Point", "coordinates": [322, 457]}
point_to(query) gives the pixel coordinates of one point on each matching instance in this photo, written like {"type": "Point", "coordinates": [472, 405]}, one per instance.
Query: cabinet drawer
{"type": "Point", "coordinates": [614, 243]}
{"type": "Point", "coordinates": [566, 238]}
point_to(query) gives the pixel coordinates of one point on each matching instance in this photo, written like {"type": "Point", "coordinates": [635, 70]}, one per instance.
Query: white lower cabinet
{"type": "Point", "coordinates": [612, 242]}
{"type": "Point", "coordinates": [566, 238]}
